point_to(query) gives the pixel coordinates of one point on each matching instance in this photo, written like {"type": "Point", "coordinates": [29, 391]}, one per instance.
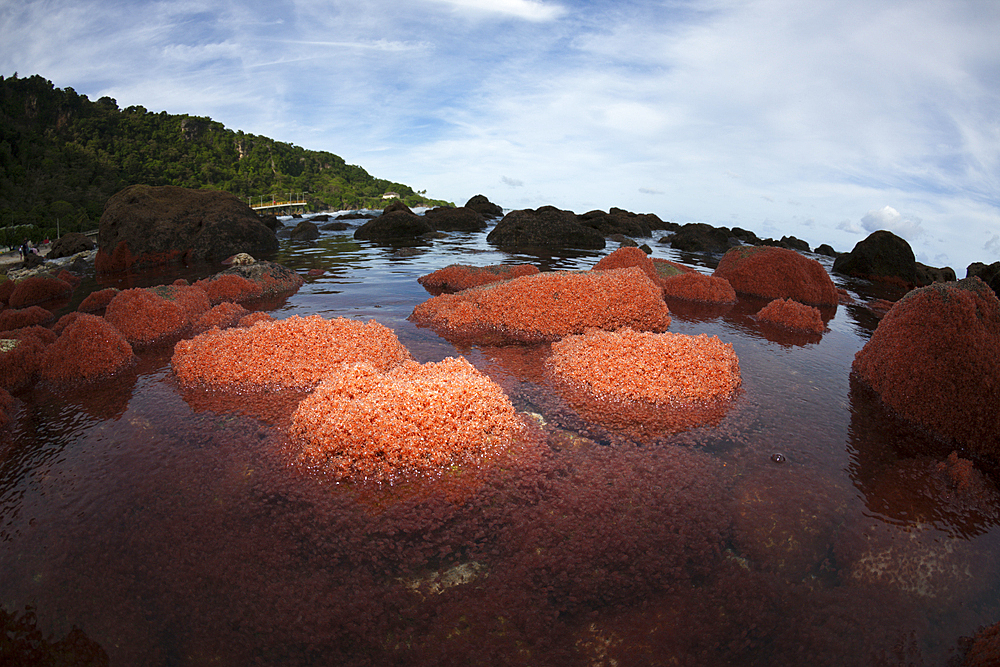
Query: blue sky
{"type": "Point", "coordinates": [822, 119]}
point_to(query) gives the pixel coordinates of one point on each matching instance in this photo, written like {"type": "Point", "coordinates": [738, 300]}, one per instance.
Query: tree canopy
{"type": "Point", "coordinates": [62, 156]}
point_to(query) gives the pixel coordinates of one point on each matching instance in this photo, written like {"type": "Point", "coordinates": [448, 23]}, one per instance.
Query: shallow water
{"type": "Point", "coordinates": [803, 525]}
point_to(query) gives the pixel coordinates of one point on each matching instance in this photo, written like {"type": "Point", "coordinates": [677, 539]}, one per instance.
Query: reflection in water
{"type": "Point", "coordinates": [173, 526]}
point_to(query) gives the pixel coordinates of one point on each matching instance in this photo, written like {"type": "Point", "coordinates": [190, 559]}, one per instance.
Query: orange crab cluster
{"type": "Point", "coordinates": [626, 257]}
{"type": "Point", "coordinates": [38, 289]}
{"type": "Point", "coordinates": [99, 300]}
{"type": "Point", "coordinates": [222, 316]}
{"type": "Point", "coordinates": [296, 353]}
{"type": "Point", "coordinates": [659, 368]}
{"type": "Point", "coordinates": [24, 317]}
{"type": "Point", "coordinates": [457, 277]}
{"type": "Point", "coordinates": [144, 317]}
{"type": "Point", "coordinates": [793, 315]}
{"type": "Point", "coordinates": [933, 359]}
{"type": "Point", "coordinates": [548, 306]}
{"type": "Point", "coordinates": [88, 348]}
{"type": "Point", "coordinates": [773, 273]}
{"type": "Point", "coordinates": [368, 423]}
{"type": "Point", "coordinates": [230, 287]}
{"type": "Point", "coordinates": [694, 286]}
{"type": "Point", "coordinates": [22, 356]}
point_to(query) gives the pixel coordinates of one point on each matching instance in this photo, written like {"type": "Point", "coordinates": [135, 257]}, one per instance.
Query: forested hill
{"type": "Point", "coordinates": [62, 156]}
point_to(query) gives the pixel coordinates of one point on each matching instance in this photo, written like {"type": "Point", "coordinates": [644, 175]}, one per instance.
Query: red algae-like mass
{"type": "Point", "coordinates": [664, 368]}
{"type": "Point", "coordinates": [145, 318]}
{"type": "Point", "coordinates": [254, 318]}
{"type": "Point", "coordinates": [193, 300]}
{"type": "Point", "coordinates": [296, 353]}
{"type": "Point", "coordinates": [666, 268]}
{"type": "Point", "coordinates": [223, 316]}
{"type": "Point", "coordinates": [934, 359]}
{"type": "Point", "coordinates": [24, 317]}
{"type": "Point", "coordinates": [457, 277]}
{"type": "Point", "coordinates": [548, 306]}
{"type": "Point", "coordinates": [694, 286]}
{"type": "Point", "coordinates": [229, 287]}
{"type": "Point", "coordinates": [38, 289]}
{"type": "Point", "coordinates": [88, 349]}
{"type": "Point", "coordinates": [98, 300]}
{"type": "Point", "coordinates": [365, 424]}
{"type": "Point", "coordinates": [6, 407]}
{"type": "Point", "coordinates": [793, 315]}
{"type": "Point", "coordinates": [774, 273]}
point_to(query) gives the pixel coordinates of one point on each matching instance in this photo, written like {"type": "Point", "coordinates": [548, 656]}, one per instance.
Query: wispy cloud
{"type": "Point", "coordinates": [804, 118]}
{"type": "Point", "coordinates": [888, 218]}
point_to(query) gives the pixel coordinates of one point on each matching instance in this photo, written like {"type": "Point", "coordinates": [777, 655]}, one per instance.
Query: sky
{"type": "Point", "coordinates": [821, 119]}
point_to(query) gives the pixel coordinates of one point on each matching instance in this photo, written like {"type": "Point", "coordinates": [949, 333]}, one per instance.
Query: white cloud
{"type": "Point", "coordinates": [512, 182]}
{"type": "Point", "coordinates": [892, 220]}
{"type": "Point", "coordinates": [530, 10]}
{"type": "Point", "coordinates": [848, 226]}
{"type": "Point", "coordinates": [993, 246]}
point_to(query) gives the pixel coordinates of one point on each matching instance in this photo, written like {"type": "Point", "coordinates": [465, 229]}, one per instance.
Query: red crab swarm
{"type": "Point", "coordinates": [367, 424]}
{"type": "Point", "coordinates": [934, 360]}
{"type": "Point", "coordinates": [793, 315]}
{"type": "Point", "coordinates": [663, 368]}
{"type": "Point", "coordinates": [548, 306]}
{"type": "Point", "coordinates": [774, 273]}
{"type": "Point", "coordinates": [296, 352]}
{"type": "Point", "coordinates": [457, 277]}
{"type": "Point", "coordinates": [89, 348]}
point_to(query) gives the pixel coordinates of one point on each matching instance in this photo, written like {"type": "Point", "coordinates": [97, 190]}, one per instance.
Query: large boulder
{"type": "Point", "coordinates": [462, 219]}
{"type": "Point", "coordinates": [700, 237]}
{"type": "Point", "coordinates": [933, 360]}
{"type": "Point", "coordinates": [927, 275]}
{"type": "Point", "coordinates": [988, 274]}
{"type": "Point", "coordinates": [484, 207]}
{"type": "Point", "coordinates": [882, 256]}
{"type": "Point", "coordinates": [306, 230]}
{"type": "Point", "coordinates": [69, 244]}
{"type": "Point", "coordinates": [394, 225]}
{"type": "Point", "coordinates": [146, 226]}
{"type": "Point", "coordinates": [618, 221]}
{"type": "Point", "coordinates": [545, 227]}
{"type": "Point", "coordinates": [777, 273]}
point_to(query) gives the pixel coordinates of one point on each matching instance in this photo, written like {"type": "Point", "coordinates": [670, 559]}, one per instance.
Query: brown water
{"type": "Point", "coordinates": [802, 526]}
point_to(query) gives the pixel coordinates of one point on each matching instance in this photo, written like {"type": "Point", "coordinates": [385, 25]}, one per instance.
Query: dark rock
{"type": "Point", "coordinates": [988, 274]}
{"type": "Point", "coordinates": [323, 217]}
{"type": "Point", "coordinates": [545, 227]}
{"type": "Point", "coordinates": [463, 219]}
{"type": "Point", "coordinates": [927, 275]}
{"type": "Point", "coordinates": [484, 207]}
{"type": "Point", "coordinates": [146, 226]}
{"type": "Point", "coordinates": [744, 235]}
{"type": "Point", "coordinates": [700, 237]}
{"type": "Point", "coordinates": [31, 260]}
{"type": "Point", "coordinates": [623, 241]}
{"type": "Point", "coordinates": [396, 224]}
{"type": "Point", "coordinates": [826, 250]}
{"type": "Point", "coordinates": [357, 215]}
{"type": "Point", "coordinates": [69, 245]}
{"type": "Point", "coordinates": [271, 221]}
{"type": "Point", "coordinates": [618, 222]}
{"type": "Point", "coordinates": [793, 243]}
{"type": "Point", "coordinates": [882, 256]}
{"type": "Point", "coordinates": [305, 231]}
{"type": "Point", "coordinates": [335, 226]}
{"type": "Point", "coordinates": [397, 205]}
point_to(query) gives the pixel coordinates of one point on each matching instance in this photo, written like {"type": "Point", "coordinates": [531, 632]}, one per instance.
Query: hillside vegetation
{"type": "Point", "coordinates": [62, 156]}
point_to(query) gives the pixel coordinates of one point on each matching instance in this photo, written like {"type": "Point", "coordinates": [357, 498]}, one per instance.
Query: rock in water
{"type": "Point", "coordinates": [146, 226]}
